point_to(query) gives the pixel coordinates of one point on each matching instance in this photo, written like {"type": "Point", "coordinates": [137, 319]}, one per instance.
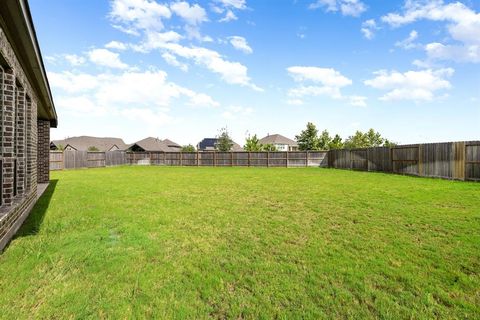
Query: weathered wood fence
{"type": "Point", "coordinates": [451, 160]}
{"type": "Point", "coordinates": [71, 159]}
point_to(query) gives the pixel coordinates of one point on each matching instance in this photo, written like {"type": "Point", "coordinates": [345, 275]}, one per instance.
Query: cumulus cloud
{"type": "Point", "coordinates": [237, 4]}
{"type": "Point", "coordinates": [116, 45]}
{"type": "Point", "coordinates": [192, 14]}
{"type": "Point", "coordinates": [463, 26]}
{"type": "Point", "coordinates": [368, 29]}
{"type": "Point", "coordinates": [347, 7]}
{"type": "Point", "coordinates": [106, 58]}
{"type": "Point", "coordinates": [229, 16]}
{"type": "Point", "coordinates": [409, 42]}
{"type": "Point", "coordinates": [145, 96]}
{"type": "Point", "coordinates": [240, 43]}
{"type": "Point", "coordinates": [145, 17]}
{"type": "Point", "coordinates": [74, 59]}
{"type": "Point", "coordinates": [172, 60]}
{"type": "Point", "coordinates": [315, 81]}
{"type": "Point", "coordinates": [411, 85]}
{"type": "Point", "coordinates": [228, 6]}
{"type": "Point", "coordinates": [136, 15]}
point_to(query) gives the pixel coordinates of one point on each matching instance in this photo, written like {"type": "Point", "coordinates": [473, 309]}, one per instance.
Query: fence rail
{"type": "Point", "coordinates": [451, 160]}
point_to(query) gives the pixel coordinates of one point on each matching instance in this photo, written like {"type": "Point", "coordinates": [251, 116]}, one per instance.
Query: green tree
{"type": "Point", "coordinates": [252, 143]}
{"type": "Point", "coordinates": [336, 143]}
{"type": "Point", "coordinates": [188, 148]}
{"type": "Point", "coordinates": [388, 143]}
{"type": "Point", "coordinates": [224, 142]}
{"type": "Point", "coordinates": [60, 147]}
{"type": "Point", "coordinates": [93, 148]}
{"type": "Point", "coordinates": [308, 138]}
{"type": "Point", "coordinates": [358, 140]}
{"type": "Point", "coordinates": [324, 140]}
{"type": "Point", "coordinates": [268, 147]}
{"type": "Point", "coordinates": [374, 139]}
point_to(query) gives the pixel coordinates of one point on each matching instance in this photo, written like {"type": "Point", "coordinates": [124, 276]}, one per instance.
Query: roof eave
{"type": "Point", "coordinates": [25, 44]}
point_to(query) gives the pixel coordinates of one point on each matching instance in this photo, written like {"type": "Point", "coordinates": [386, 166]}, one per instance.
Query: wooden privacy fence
{"type": "Point", "coordinates": [84, 159]}
{"type": "Point", "coordinates": [451, 160]}
{"type": "Point", "coordinates": [231, 159]}
{"type": "Point", "coordinates": [72, 159]}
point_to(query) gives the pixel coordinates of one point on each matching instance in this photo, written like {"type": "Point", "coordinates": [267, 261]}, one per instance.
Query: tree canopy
{"type": "Point", "coordinates": [309, 139]}
{"type": "Point", "coordinates": [224, 142]}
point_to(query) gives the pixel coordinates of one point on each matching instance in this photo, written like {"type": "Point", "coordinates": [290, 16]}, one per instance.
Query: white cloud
{"type": "Point", "coordinates": [229, 16]}
{"type": "Point", "coordinates": [106, 58]}
{"type": "Point", "coordinates": [358, 101]}
{"type": "Point", "coordinates": [240, 43]}
{"type": "Point", "coordinates": [144, 96]}
{"type": "Point", "coordinates": [411, 85]}
{"type": "Point", "coordinates": [409, 42]}
{"type": "Point", "coordinates": [326, 82]}
{"type": "Point", "coordinates": [347, 7]}
{"type": "Point", "coordinates": [368, 29]}
{"type": "Point", "coordinates": [74, 59]}
{"type": "Point", "coordinates": [326, 76]}
{"type": "Point", "coordinates": [237, 4]}
{"type": "Point", "coordinates": [117, 45]}
{"type": "Point", "coordinates": [459, 53]}
{"type": "Point", "coordinates": [230, 72]}
{"type": "Point", "coordinates": [463, 26]}
{"type": "Point", "coordinates": [172, 60]}
{"type": "Point", "coordinates": [72, 82]}
{"type": "Point", "coordinates": [193, 14]}
{"type": "Point", "coordinates": [138, 15]}
{"type": "Point", "coordinates": [234, 112]}
{"type": "Point", "coordinates": [134, 14]}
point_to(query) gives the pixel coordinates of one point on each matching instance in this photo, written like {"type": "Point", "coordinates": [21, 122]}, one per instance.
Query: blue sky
{"type": "Point", "coordinates": [184, 69]}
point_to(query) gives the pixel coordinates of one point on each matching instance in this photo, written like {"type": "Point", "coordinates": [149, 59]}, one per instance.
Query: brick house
{"type": "Point", "coordinates": [27, 114]}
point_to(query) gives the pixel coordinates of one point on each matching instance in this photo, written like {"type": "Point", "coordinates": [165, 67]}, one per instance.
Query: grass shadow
{"type": "Point", "coordinates": [31, 226]}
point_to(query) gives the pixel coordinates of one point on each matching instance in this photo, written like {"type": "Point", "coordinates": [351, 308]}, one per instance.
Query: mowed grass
{"type": "Point", "coordinates": [166, 242]}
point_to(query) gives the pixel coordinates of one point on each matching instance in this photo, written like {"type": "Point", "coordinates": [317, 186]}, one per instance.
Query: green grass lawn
{"type": "Point", "coordinates": [166, 242]}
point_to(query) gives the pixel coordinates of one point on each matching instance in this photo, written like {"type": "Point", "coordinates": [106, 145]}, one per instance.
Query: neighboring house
{"type": "Point", "coordinates": [27, 114]}
{"type": "Point", "coordinates": [83, 143]}
{"type": "Point", "coordinates": [173, 145]}
{"type": "Point", "coordinates": [280, 142]}
{"type": "Point", "coordinates": [210, 144]}
{"type": "Point", "coordinates": [151, 144]}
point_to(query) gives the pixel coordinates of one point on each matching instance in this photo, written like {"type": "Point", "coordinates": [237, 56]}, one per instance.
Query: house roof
{"type": "Point", "coordinates": [152, 144]}
{"type": "Point", "coordinates": [16, 21]}
{"type": "Point", "coordinates": [172, 144]}
{"type": "Point", "coordinates": [82, 143]}
{"type": "Point", "coordinates": [210, 144]}
{"type": "Point", "coordinates": [277, 139]}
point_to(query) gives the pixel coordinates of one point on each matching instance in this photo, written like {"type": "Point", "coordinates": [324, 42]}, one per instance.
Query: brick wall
{"type": "Point", "coordinates": [43, 151]}
{"type": "Point", "coordinates": [19, 147]}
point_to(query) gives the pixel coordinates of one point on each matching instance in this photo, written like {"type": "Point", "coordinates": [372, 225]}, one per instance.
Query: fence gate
{"type": "Point", "coordinates": [472, 161]}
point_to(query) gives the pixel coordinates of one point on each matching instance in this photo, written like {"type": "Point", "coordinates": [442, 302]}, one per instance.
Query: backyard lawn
{"type": "Point", "coordinates": [171, 242]}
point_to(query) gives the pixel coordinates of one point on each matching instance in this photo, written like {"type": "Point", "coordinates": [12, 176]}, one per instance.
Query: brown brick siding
{"type": "Point", "coordinates": [43, 161]}
{"type": "Point", "coordinates": [19, 144]}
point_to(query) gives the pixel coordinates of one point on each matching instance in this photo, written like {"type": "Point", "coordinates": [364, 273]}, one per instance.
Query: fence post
{"type": "Point", "coordinates": [214, 158]}
{"type": "Point", "coordinates": [306, 158]}
{"type": "Point", "coordinates": [231, 158]}
{"type": "Point", "coordinates": [181, 159]}
{"type": "Point", "coordinates": [268, 159]}
{"type": "Point", "coordinates": [249, 158]}
{"type": "Point", "coordinates": [198, 158]}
